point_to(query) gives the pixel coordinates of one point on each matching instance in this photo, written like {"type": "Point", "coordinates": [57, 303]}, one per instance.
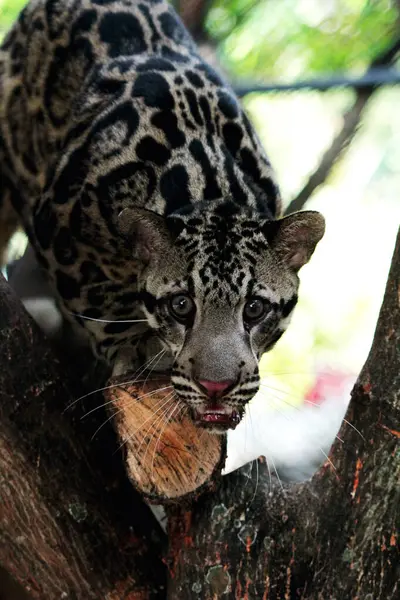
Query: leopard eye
{"type": "Point", "coordinates": [254, 311]}
{"type": "Point", "coordinates": [182, 307]}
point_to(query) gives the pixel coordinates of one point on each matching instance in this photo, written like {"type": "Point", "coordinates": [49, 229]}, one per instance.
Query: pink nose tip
{"type": "Point", "coordinates": [215, 388]}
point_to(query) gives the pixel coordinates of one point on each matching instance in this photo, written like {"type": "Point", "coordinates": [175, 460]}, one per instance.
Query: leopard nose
{"type": "Point", "coordinates": [215, 389]}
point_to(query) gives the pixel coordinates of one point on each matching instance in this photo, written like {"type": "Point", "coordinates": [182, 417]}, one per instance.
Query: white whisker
{"type": "Point", "coordinates": [149, 362]}
{"type": "Point", "coordinates": [245, 426]}
{"type": "Point", "coordinates": [102, 425]}
{"type": "Point", "coordinates": [165, 400]}
{"type": "Point", "coordinates": [269, 474]}
{"type": "Point", "coordinates": [161, 406]}
{"type": "Point", "coordinates": [102, 389]}
{"type": "Point", "coordinates": [306, 401]}
{"type": "Point", "coordinates": [298, 408]}
{"type": "Point", "coordinates": [168, 419]}
{"type": "Point", "coordinates": [319, 448]}
{"type": "Point", "coordinates": [146, 364]}
{"type": "Point", "coordinates": [285, 392]}
{"type": "Point", "coordinates": [109, 387]}
{"type": "Point", "coordinates": [245, 441]}
{"type": "Point", "coordinates": [355, 429]}
{"type": "Point", "coordinates": [106, 320]}
{"type": "Point", "coordinates": [255, 491]}
{"type": "Point", "coordinates": [160, 356]}
{"type": "Point", "coordinates": [294, 373]}
{"type": "Point", "coordinates": [277, 474]}
{"type": "Point", "coordinates": [107, 421]}
{"type": "Point", "coordinates": [134, 399]}
{"type": "Point", "coordinates": [161, 417]}
{"type": "Point", "coordinates": [328, 459]}
{"type": "Point", "coordinates": [311, 403]}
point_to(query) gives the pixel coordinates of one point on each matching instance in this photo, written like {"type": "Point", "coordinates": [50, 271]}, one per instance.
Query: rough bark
{"type": "Point", "coordinates": [334, 537]}
{"type": "Point", "coordinates": [71, 525]}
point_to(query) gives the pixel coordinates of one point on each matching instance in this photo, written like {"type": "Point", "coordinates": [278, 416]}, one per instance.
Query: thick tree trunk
{"type": "Point", "coordinates": [71, 525]}
{"type": "Point", "coordinates": [335, 537]}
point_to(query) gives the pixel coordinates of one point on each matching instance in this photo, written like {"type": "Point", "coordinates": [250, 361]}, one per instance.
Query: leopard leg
{"type": "Point", "coordinates": [9, 220]}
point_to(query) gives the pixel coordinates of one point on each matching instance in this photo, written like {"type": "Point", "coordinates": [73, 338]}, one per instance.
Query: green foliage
{"type": "Point", "coordinates": [268, 38]}
{"type": "Point", "coordinates": [9, 10]}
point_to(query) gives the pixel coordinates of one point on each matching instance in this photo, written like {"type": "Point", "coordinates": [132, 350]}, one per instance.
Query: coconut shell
{"type": "Point", "coordinates": [168, 457]}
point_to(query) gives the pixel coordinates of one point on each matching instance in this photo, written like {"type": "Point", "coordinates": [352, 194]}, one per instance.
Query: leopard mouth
{"type": "Point", "coordinates": [219, 418]}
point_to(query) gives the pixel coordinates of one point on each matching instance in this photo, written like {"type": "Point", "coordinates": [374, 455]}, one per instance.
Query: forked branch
{"type": "Point", "coordinates": [333, 537]}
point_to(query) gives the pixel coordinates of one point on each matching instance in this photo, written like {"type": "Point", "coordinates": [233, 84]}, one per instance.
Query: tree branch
{"type": "Point", "coordinates": [194, 13]}
{"type": "Point", "coordinates": [71, 525]}
{"type": "Point", "coordinates": [333, 537]}
{"type": "Point", "coordinates": [351, 121]}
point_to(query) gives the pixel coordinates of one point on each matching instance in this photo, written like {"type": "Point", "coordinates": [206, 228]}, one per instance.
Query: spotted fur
{"type": "Point", "coordinates": [137, 176]}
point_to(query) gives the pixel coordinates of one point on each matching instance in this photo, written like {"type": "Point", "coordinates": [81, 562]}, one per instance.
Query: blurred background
{"type": "Point", "coordinates": [319, 79]}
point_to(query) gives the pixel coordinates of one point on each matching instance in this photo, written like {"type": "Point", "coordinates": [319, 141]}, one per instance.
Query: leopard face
{"type": "Point", "coordinates": [219, 285]}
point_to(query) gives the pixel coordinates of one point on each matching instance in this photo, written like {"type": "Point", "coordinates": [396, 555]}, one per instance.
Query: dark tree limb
{"type": "Point", "coordinates": [71, 525]}
{"type": "Point", "coordinates": [333, 537]}
{"type": "Point", "coordinates": [193, 13]}
{"type": "Point", "coordinates": [351, 122]}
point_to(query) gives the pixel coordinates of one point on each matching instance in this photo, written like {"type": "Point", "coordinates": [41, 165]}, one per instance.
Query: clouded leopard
{"type": "Point", "coordinates": [147, 197]}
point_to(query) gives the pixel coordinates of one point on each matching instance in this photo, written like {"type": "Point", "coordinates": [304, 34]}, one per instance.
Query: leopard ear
{"type": "Point", "coordinates": [295, 237]}
{"type": "Point", "coordinates": [145, 231]}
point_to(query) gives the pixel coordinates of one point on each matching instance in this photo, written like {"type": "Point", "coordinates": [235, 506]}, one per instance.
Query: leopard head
{"type": "Point", "coordinates": [218, 286]}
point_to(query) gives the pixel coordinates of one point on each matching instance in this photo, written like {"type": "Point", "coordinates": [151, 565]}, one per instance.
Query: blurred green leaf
{"type": "Point", "coordinates": [9, 11]}
{"type": "Point", "coordinates": [285, 39]}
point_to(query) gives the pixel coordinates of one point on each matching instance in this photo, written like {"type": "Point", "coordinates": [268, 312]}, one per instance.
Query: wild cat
{"type": "Point", "coordinates": [147, 197]}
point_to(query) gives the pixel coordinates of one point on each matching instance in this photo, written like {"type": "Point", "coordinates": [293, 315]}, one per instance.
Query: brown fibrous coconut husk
{"type": "Point", "coordinates": [168, 457]}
